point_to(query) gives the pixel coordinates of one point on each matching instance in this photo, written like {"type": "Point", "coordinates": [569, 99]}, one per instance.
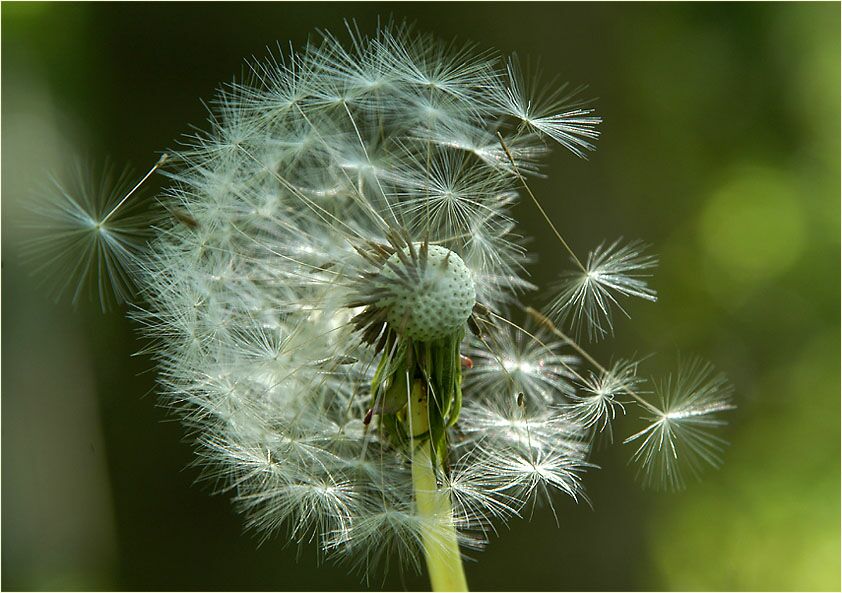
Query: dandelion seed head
{"type": "Point", "coordinates": [429, 300]}
{"type": "Point", "coordinates": [348, 207]}
{"type": "Point", "coordinates": [339, 249]}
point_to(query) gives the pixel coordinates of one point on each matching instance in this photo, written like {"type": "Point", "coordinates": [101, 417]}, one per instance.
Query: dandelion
{"type": "Point", "coordinates": [328, 302]}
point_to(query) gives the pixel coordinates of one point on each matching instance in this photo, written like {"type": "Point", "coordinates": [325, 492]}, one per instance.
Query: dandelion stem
{"type": "Point", "coordinates": [538, 204]}
{"type": "Point", "coordinates": [438, 535]}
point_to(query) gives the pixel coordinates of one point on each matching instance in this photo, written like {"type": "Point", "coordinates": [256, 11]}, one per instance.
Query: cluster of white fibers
{"type": "Point", "coordinates": [329, 291]}
{"type": "Point", "coordinates": [317, 175]}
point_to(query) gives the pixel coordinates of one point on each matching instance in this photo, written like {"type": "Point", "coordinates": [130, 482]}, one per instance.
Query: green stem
{"type": "Point", "coordinates": [438, 536]}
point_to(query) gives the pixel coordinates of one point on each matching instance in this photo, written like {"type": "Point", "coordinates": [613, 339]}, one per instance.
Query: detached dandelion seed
{"type": "Point", "coordinates": [587, 297]}
{"type": "Point", "coordinates": [678, 437]}
{"type": "Point", "coordinates": [87, 234]}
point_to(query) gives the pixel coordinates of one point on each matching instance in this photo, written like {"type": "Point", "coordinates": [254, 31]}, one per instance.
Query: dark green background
{"type": "Point", "coordinates": [720, 146]}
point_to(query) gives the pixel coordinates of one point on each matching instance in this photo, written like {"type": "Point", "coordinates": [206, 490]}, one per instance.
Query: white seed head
{"type": "Point", "coordinates": [282, 291]}
{"type": "Point", "coordinates": [298, 256]}
{"type": "Point", "coordinates": [435, 306]}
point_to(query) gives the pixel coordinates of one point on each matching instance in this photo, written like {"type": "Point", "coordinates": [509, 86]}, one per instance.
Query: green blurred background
{"type": "Point", "coordinates": [721, 146]}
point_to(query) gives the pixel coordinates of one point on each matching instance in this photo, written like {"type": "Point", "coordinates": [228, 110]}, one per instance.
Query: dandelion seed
{"type": "Point", "coordinates": [551, 114]}
{"type": "Point", "coordinates": [528, 361]}
{"type": "Point", "coordinates": [586, 298]}
{"type": "Point", "coordinates": [444, 189]}
{"type": "Point", "coordinates": [503, 426]}
{"type": "Point", "coordinates": [601, 395]}
{"type": "Point", "coordinates": [478, 498]}
{"type": "Point", "coordinates": [679, 437]}
{"type": "Point", "coordinates": [89, 234]}
{"type": "Point", "coordinates": [528, 475]}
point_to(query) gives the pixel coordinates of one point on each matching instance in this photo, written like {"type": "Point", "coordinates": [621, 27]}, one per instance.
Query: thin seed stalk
{"type": "Point", "coordinates": [438, 535]}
